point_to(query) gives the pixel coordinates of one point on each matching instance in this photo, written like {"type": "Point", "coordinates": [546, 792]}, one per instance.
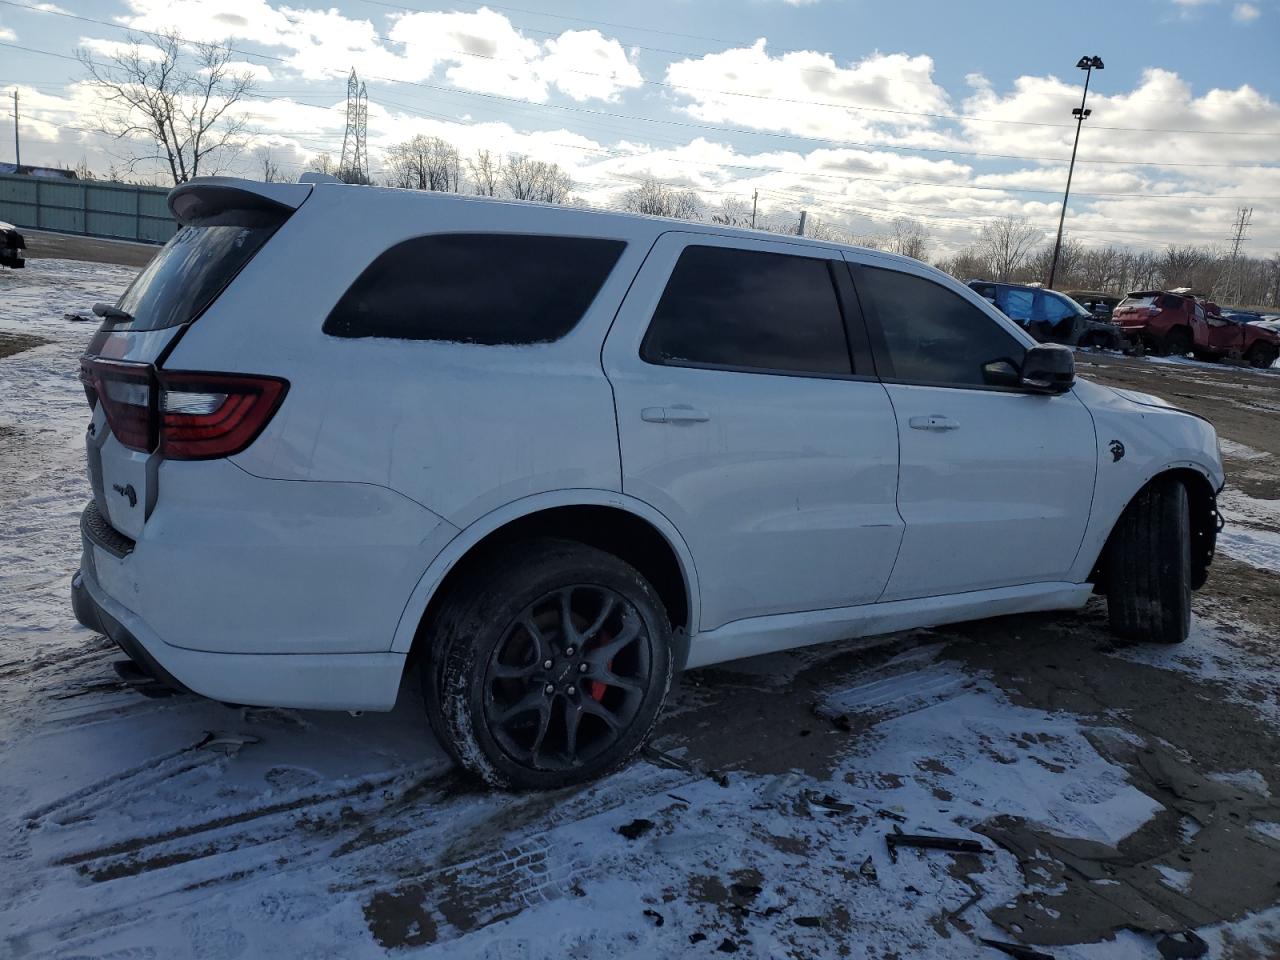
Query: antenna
{"type": "Point", "coordinates": [354, 165]}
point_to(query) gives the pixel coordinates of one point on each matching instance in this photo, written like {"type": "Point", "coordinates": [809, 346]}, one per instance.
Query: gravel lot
{"type": "Point", "coordinates": [1119, 793]}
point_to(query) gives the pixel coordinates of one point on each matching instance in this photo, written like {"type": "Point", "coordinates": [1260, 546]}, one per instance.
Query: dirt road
{"type": "Point", "coordinates": [1118, 793]}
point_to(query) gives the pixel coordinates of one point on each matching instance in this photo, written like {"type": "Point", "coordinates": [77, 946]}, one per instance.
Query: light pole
{"type": "Point", "coordinates": [1088, 65]}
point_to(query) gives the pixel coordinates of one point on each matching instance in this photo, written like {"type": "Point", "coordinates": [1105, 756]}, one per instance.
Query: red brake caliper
{"type": "Point", "coordinates": [597, 688]}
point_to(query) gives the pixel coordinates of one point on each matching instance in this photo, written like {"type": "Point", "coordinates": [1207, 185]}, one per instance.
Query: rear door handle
{"type": "Point", "coordinates": [934, 422]}
{"type": "Point", "coordinates": [676, 414]}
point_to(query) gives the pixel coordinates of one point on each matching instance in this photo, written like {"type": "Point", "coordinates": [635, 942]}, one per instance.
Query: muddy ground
{"type": "Point", "coordinates": [1121, 795]}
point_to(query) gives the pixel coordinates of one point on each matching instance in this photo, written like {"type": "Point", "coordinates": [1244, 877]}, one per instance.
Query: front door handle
{"type": "Point", "coordinates": [934, 422]}
{"type": "Point", "coordinates": [677, 414]}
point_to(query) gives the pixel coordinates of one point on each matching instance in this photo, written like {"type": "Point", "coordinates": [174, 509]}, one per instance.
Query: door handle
{"type": "Point", "coordinates": [934, 422]}
{"type": "Point", "coordinates": [676, 414]}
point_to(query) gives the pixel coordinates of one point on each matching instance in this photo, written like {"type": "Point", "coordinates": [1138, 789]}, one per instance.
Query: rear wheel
{"type": "Point", "coordinates": [1178, 343]}
{"type": "Point", "coordinates": [1148, 566]}
{"type": "Point", "coordinates": [552, 669]}
{"type": "Point", "coordinates": [1261, 356]}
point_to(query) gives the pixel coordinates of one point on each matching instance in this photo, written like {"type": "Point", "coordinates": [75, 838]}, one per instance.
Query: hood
{"type": "Point", "coordinates": [1146, 399]}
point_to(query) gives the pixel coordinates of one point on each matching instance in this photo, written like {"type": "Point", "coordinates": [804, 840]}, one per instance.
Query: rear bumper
{"type": "Point", "coordinates": [328, 681]}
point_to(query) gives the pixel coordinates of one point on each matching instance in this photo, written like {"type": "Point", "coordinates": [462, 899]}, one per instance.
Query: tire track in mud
{"type": "Point", "coordinates": [491, 848]}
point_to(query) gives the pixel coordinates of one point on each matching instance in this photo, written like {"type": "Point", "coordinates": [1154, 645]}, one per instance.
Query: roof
{"type": "Point", "coordinates": [293, 194]}
{"type": "Point", "coordinates": [48, 173]}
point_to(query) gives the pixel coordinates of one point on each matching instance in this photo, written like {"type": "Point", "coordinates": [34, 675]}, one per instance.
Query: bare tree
{"type": "Point", "coordinates": [485, 168]}
{"type": "Point", "coordinates": [322, 163]}
{"type": "Point", "coordinates": [425, 163]}
{"type": "Point", "coordinates": [171, 101]}
{"type": "Point", "coordinates": [270, 169]}
{"type": "Point", "coordinates": [910, 239]}
{"type": "Point", "coordinates": [1006, 245]}
{"type": "Point", "coordinates": [732, 212]}
{"type": "Point", "coordinates": [657, 199]}
{"type": "Point", "coordinates": [969, 264]}
{"type": "Point", "coordinates": [524, 178]}
{"type": "Point", "coordinates": [823, 230]}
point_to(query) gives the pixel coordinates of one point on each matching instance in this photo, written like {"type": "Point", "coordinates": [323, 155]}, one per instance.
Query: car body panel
{"type": "Point", "coordinates": [790, 481]}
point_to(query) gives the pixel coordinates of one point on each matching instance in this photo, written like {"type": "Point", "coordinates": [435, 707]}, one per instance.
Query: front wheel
{"type": "Point", "coordinates": [1148, 566]}
{"type": "Point", "coordinates": [1261, 356]}
{"type": "Point", "coordinates": [551, 668]}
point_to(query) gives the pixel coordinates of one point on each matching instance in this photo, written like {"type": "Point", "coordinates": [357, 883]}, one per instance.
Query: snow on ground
{"type": "Point", "coordinates": [1252, 533]}
{"type": "Point", "coordinates": [177, 827]}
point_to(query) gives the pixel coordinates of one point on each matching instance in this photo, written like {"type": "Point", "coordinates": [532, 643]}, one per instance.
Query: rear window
{"type": "Point", "coordinates": [484, 288]}
{"type": "Point", "coordinates": [188, 273]}
{"type": "Point", "coordinates": [1137, 302]}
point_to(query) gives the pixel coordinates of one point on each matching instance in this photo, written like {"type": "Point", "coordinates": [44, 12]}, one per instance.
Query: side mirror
{"type": "Point", "coordinates": [1001, 373]}
{"type": "Point", "coordinates": [1048, 368]}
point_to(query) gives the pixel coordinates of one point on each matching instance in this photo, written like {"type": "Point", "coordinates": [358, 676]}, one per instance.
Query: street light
{"type": "Point", "coordinates": [1088, 65]}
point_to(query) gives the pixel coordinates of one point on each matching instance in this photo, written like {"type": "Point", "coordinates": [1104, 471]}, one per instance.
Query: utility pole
{"type": "Point", "coordinates": [1243, 217]}
{"type": "Point", "coordinates": [1088, 65]}
{"type": "Point", "coordinates": [755, 197]}
{"type": "Point", "coordinates": [803, 215]}
{"type": "Point", "coordinates": [17, 146]}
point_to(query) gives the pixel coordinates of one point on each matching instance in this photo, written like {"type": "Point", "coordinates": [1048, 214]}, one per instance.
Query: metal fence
{"type": "Point", "coordinates": [89, 207]}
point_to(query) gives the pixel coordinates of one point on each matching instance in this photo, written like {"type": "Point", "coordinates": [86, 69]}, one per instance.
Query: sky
{"type": "Point", "coordinates": [860, 112]}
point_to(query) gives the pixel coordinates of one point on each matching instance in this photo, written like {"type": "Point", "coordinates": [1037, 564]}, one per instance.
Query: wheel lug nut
{"type": "Point", "coordinates": [571, 690]}
{"type": "Point", "coordinates": [547, 664]}
{"type": "Point", "coordinates": [549, 689]}
{"type": "Point", "coordinates": [582, 668]}
{"type": "Point", "coordinates": [568, 652]}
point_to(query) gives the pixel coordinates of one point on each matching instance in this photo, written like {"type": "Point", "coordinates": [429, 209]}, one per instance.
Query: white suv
{"type": "Point", "coordinates": [554, 456]}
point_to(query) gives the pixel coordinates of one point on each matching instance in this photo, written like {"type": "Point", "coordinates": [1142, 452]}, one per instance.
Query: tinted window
{"type": "Point", "coordinates": [185, 276]}
{"type": "Point", "coordinates": [476, 288]}
{"type": "Point", "coordinates": [743, 308]}
{"type": "Point", "coordinates": [933, 335]}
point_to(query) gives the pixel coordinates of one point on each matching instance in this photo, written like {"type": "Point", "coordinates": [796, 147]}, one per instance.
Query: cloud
{"type": "Point", "coordinates": [7, 35]}
{"type": "Point", "coordinates": [477, 50]}
{"type": "Point", "coordinates": [1245, 13]}
{"type": "Point", "coordinates": [808, 93]}
{"type": "Point", "coordinates": [117, 48]}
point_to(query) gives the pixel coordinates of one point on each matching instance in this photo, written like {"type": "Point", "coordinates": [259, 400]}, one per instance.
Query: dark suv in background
{"type": "Point", "coordinates": [1049, 316]}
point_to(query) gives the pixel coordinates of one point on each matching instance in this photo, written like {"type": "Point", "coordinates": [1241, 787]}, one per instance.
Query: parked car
{"type": "Point", "coordinates": [1101, 305]}
{"type": "Point", "coordinates": [1164, 322]}
{"type": "Point", "coordinates": [548, 457]}
{"type": "Point", "coordinates": [1049, 316]}
{"type": "Point", "coordinates": [11, 246]}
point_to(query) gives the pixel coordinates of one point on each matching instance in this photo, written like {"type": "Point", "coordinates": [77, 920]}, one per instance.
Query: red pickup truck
{"type": "Point", "coordinates": [1179, 323]}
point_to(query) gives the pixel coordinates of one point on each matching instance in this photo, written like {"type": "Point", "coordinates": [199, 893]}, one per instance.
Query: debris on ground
{"type": "Point", "coordinates": [922, 841]}
{"type": "Point", "coordinates": [635, 829]}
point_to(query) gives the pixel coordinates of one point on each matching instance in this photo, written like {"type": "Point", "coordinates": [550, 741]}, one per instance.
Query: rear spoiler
{"type": "Point", "coordinates": [207, 200]}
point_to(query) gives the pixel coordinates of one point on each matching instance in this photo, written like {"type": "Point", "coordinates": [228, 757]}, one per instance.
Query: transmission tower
{"type": "Point", "coordinates": [1239, 228]}
{"type": "Point", "coordinates": [354, 165]}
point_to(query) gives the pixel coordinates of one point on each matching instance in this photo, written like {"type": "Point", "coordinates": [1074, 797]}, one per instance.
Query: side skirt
{"type": "Point", "coordinates": [757, 635]}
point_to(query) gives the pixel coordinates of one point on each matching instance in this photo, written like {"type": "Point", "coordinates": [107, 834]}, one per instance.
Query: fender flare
{"type": "Point", "coordinates": [1095, 538]}
{"type": "Point", "coordinates": [477, 530]}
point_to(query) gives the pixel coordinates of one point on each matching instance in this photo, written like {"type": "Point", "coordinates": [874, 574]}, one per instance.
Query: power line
{"type": "Point", "coordinates": [947, 117]}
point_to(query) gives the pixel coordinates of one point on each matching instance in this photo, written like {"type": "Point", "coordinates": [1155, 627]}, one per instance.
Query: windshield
{"type": "Point", "coordinates": [187, 274]}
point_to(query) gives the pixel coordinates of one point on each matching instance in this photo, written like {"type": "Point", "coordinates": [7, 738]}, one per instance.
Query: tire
{"type": "Point", "coordinates": [485, 684]}
{"type": "Point", "coordinates": [1178, 342]}
{"type": "Point", "coordinates": [1148, 566]}
{"type": "Point", "coordinates": [1261, 356]}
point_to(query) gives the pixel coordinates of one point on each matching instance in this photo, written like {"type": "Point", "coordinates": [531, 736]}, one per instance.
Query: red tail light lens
{"type": "Point", "coordinates": [186, 415]}
{"type": "Point", "coordinates": [209, 415]}
{"type": "Point", "coordinates": [126, 392]}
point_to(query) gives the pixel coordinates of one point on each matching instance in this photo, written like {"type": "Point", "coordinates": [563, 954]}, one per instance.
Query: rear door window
{"type": "Point", "coordinates": [484, 288]}
{"type": "Point", "coordinates": [749, 310]}
{"type": "Point", "coordinates": [931, 334]}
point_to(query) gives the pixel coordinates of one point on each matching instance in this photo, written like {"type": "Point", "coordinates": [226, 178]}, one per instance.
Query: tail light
{"type": "Point", "coordinates": [186, 415]}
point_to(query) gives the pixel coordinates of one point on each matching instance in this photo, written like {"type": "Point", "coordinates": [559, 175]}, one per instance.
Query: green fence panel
{"type": "Point", "coordinates": [89, 207]}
